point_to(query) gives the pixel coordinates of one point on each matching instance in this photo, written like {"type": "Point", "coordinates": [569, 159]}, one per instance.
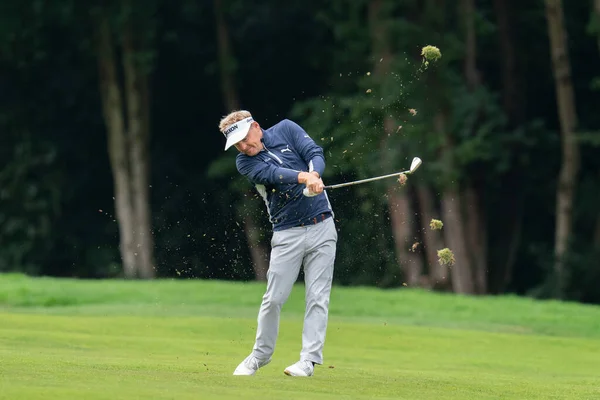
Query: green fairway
{"type": "Point", "coordinates": [63, 339]}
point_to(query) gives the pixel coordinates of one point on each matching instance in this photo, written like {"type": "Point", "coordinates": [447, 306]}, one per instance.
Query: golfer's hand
{"type": "Point", "coordinates": [313, 183]}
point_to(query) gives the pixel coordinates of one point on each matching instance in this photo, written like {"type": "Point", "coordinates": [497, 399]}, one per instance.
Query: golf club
{"type": "Point", "coordinates": [415, 164]}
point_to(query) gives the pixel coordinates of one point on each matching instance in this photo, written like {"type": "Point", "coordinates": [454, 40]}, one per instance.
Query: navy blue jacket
{"type": "Point", "coordinates": [288, 150]}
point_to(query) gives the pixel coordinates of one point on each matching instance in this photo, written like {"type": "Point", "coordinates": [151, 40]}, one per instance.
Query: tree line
{"type": "Point", "coordinates": [112, 165]}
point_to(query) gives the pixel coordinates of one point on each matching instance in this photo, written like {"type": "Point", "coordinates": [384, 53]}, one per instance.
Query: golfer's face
{"type": "Point", "coordinates": [251, 144]}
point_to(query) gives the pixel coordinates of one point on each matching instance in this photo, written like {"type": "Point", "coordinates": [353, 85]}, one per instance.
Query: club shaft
{"type": "Point", "coordinates": [339, 185]}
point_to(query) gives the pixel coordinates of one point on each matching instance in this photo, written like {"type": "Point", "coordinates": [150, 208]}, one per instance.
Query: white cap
{"type": "Point", "coordinates": [238, 131]}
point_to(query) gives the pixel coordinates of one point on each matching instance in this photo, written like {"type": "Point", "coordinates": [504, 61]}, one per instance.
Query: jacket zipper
{"type": "Point", "coordinates": [273, 155]}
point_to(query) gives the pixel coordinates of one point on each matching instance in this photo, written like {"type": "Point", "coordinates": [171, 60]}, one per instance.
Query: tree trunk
{"type": "Point", "coordinates": [432, 240]}
{"type": "Point", "coordinates": [399, 205]}
{"type": "Point", "coordinates": [511, 95]}
{"type": "Point", "coordinates": [597, 16]}
{"type": "Point", "coordinates": [112, 106]}
{"type": "Point", "coordinates": [454, 233]}
{"type": "Point", "coordinates": [403, 225]}
{"type": "Point", "coordinates": [509, 229]}
{"type": "Point", "coordinates": [565, 98]}
{"type": "Point", "coordinates": [513, 246]}
{"type": "Point", "coordinates": [225, 54]}
{"type": "Point", "coordinates": [467, 10]}
{"type": "Point", "coordinates": [597, 13]}
{"type": "Point", "coordinates": [474, 222]}
{"type": "Point", "coordinates": [258, 250]}
{"type": "Point", "coordinates": [128, 147]}
{"type": "Point", "coordinates": [476, 230]}
{"type": "Point", "coordinates": [454, 229]}
{"type": "Point", "coordinates": [137, 117]}
{"type": "Point", "coordinates": [597, 234]}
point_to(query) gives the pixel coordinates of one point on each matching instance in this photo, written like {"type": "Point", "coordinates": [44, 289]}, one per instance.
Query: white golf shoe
{"type": "Point", "coordinates": [250, 365]}
{"type": "Point", "coordinates": [301, 368]}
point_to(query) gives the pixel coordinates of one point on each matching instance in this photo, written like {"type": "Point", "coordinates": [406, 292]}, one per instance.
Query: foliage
{"type": "Point", "coordinates": [314, 62]}
{"type": "Point", "coordinates": [29, 202]}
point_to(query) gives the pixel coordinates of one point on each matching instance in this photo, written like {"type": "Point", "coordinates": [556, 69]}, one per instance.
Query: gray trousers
{"type": "Point", "coordinates": [314, 247]}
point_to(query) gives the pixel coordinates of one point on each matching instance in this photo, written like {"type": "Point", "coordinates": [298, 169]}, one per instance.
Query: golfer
{"type": "Point", "coordinates": [281, 161]}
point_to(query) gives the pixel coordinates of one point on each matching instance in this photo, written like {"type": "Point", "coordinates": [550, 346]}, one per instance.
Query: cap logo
{"type": "Point", "coordinates": [231, 129]}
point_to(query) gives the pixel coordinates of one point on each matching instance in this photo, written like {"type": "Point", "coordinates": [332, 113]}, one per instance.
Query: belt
{"type": "Point", "coordinates": [315, 220]}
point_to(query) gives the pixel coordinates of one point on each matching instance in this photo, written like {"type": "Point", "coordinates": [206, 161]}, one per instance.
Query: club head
{"type": "Point", "coordinates": [416, 163]}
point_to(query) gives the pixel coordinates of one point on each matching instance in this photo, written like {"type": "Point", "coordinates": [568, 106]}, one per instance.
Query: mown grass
{"type": "Point", "coordinates": [170, 339]}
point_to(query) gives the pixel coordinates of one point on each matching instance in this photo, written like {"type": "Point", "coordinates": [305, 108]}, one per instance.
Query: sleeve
{"type": "Point", "coordinates": [310, 152]}
{"type": "Point", "coordinates": [260, 172]}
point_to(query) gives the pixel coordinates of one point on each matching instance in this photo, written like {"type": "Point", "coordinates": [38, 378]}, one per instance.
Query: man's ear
{"type": "Point", "coordinates": [257, 126]}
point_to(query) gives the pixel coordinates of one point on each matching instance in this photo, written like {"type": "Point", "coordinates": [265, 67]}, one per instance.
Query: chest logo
{"type": "Point", "coordinates": [287, 148]}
